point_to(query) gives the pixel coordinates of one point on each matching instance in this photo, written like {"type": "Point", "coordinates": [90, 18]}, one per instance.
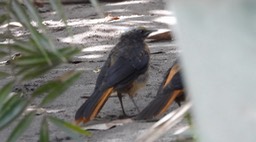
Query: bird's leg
{"type": "Point", "coordinates": [179, 104]}
{"type": "Point", "coordinates": [119, 95]}
{"type": "Point", "coordinates": [136, 106]}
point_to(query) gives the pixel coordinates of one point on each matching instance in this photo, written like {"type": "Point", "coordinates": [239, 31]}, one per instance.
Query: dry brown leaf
{"type": "Point", "coordinates": [38, 3]}
{"type": "Point", "coordinates": [160, 35]}
{"type": "Point", "coordinates": [111, 18]}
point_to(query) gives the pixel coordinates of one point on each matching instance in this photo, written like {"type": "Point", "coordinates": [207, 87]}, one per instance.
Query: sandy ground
{"type": "Point", "coordinates": [96, 36]}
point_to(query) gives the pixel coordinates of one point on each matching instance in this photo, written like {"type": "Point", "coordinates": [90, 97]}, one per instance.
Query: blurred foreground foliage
{"type": "Point", "coordinates": [28, 59]}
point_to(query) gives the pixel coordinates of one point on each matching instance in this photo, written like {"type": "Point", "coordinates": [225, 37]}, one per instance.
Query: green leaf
{"type": "Point", "coordinates": [30, 60]}
{"type": "Point", "coordinates": [34, 13]}
{"type": "Point", "coordinates": [22, 16]}
{"type": "Point", "coordinates": [25, 70]}
{"type": "Point", "coordinates": [69, 128]}
{"type": "Point", "coordinates": [57, 6]}
{"type": "Point", "coordinates": [95, 4]}
{"type": "Point", "coordinates": [26, 47]}
{"type": "Point", "coordinates": [44, 132]}
{"type": "Point", "coordinates": [69, 51]}
{"type": "Point", "coordinates": [3, 18]}
{"type": "Point", "coordinates": [3, 4]}
{"type": "Point", "coordinates": [4, 92]}
{"type": "Point", "coordinates": [4, 46]}
{"type": "Point", "coordinates": [11, 110]}
{"type": "Point", "coordinates": [65, 82]}
{"type": "Point", "coordinates": [45, 88]}
{"type": "Point", "coordinates": [38, 71]}
{"type": "Point", "coordinates": [44, 41]}
{"type": "Point", "coordinates": [35, 72]}
{"type": "Point", "coordinates": [3, 75]}
{"type": "Point", "coordinates": [21, 127]}
{"type": "Point", "coordinates": [41, 41]}
{"type": "Point", "coordinates": [33, 65]}
{"type": "Point", "coordinates": [3, 53]}
{"type": "Point", "coordinates": [36, 59]}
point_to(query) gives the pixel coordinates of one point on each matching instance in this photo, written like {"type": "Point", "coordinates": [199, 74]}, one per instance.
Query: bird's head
{"type": "Point", "coordinates": [137, 33]}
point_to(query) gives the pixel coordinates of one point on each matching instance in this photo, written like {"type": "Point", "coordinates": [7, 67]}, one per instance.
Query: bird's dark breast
{"type": "Point", "coordinates": [138, 59]}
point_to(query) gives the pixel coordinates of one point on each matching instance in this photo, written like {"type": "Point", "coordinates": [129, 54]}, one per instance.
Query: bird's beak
{"type": "Point", "coordinates": [150, 31]}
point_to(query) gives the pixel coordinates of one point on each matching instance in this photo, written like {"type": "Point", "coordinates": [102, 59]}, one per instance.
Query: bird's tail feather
{"type": "Point", "coordinates": [158, 106]}
{"type": "Point", "coordinates": [92, 106]}
{"type": "Point", "coordinates": [166, 95]}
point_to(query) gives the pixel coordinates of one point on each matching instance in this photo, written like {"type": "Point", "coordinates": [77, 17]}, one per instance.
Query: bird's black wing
{"type": "Point", "coordinates": [102, 73]}
{"type": "Point", "coordinates": [126, 69]}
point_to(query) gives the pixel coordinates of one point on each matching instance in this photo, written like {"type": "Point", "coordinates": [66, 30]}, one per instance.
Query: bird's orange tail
{"type": "Point", "coordinates": [159, 105]}
{"type": "Point", "coordinates": [175, 68]}
{"type": "Point", "coordinates": [170, 89]}
{"type": "Point", "coordinates": [92, 106]}
{"type": "Point", "coordinates": [172, 98]}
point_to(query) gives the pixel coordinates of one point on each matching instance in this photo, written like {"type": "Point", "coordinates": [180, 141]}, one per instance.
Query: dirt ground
{"type": "Point", "coordinates": [96, 36]}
